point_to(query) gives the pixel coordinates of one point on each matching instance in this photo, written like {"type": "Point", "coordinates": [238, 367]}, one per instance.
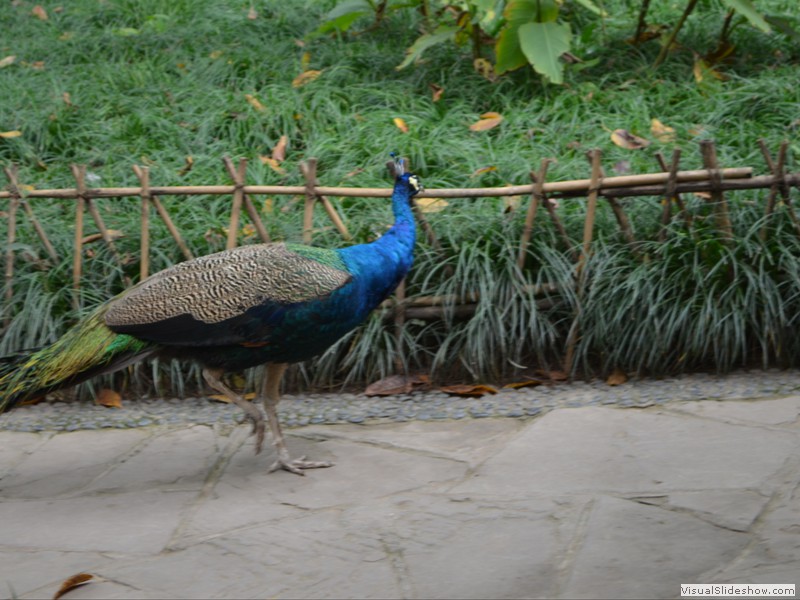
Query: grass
{"type": "Point", "coordinates": [152, 82]}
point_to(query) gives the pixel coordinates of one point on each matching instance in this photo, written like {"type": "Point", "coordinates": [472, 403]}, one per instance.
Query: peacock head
{"type": "Point", "coordinates": [409, 180]}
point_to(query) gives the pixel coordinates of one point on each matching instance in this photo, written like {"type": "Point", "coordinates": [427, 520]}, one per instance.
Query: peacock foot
{"type": "Point", "coordinates": [297, 465]}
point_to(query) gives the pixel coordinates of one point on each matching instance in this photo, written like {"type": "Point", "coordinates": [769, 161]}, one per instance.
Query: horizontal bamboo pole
{"type": "Point", "coordinates": [575, 187]}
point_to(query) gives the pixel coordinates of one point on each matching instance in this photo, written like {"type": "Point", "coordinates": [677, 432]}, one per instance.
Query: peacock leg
{"type": "Point", "coordinates": [213, 378]}
{"type": "Point", "coordinates": [271, 394]}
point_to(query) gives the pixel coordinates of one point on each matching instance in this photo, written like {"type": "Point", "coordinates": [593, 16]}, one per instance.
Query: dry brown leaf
{"type": "Point", "coordinates": [521, 384]}
{"type": "Point", "coordinates": [66, 98]}
{"type": "Point", "coordinates": [226, 400]}
{"type": "Point", "coordinates": [431, 205]}
{"type": "Point", "coordinates": [113, 234]}
{"type": "Point", "coordinates": [617, 377]}
{"type": "Point", "coordinates": [305, 77]}
{"type": "Point", "coordinates": [663, 133]}
{"type": "Point", "coordinates": [437, 91]}
{"type": "Point", "coordinates": [252, 14]}
{"type": "Point", "coordinates": [71, 583]}
{"type": "Point", "coordinates": [187, 166]}
{"type": "Point", "coordinates": [8, 60]}
{"type": "Point", "coordinates": [625, 139]}
{"type": "Point", "coordinates": [254, 102]}
{"type": "Point", "coordinates": [467, 389]}
{"type": "Point", "coordinates": [704, 195]}
{"type": "Point", "coordinates": [552, 375]}
{"type": "Point", "coordinates": [10, 134]}
{"type": "Point", "coordinates": [108, 398]}
{"type": "Point", "coordinates": [273, 164]}
{"type": "Point", "coordinates": [488, 120]}
{"type": "Point", "coordinates": [483, 170]}
{"type": "Point", "coordinates": [37, 65]}
{"type": "Point", "coordinates": [39, 12]}
{"type": "Point", "coordinates": [390, 386]}
{"type": "Point", "coordinates": [400, 124]}
{"type": "Point", "coordinates": [485, 69]}
{"type": "Point", "coordinates": [279, 151]}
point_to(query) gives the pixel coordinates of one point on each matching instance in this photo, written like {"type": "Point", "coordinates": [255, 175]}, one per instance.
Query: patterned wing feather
{"type": "Point", "coordinates": [231, 297]}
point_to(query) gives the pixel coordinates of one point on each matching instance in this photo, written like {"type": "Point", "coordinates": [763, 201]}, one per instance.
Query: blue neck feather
{"type": "Point", "coordinates": [383, 263]}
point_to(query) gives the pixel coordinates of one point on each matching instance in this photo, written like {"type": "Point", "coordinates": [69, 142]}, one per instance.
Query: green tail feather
{"type": "Point", "coordinates": [88, 349]}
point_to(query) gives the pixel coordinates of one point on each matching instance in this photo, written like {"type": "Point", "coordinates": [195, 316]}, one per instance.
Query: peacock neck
{"type": "Point", "coordinates": [386, 260]}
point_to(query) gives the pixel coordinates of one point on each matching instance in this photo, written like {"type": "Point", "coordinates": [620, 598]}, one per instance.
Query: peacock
{"type": "Point", "coordinates": [265, 304]}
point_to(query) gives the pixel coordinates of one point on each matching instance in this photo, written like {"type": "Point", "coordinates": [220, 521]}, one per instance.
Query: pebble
{"type": "Point", "coordinates": [297, 410]}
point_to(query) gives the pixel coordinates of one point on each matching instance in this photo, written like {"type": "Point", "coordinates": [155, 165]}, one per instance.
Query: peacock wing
{"type": "Point", "coordinates": [232, 297]}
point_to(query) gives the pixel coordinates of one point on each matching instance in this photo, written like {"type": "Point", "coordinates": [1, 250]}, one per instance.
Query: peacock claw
{"type": "Point", "coordinates": [296, 465]}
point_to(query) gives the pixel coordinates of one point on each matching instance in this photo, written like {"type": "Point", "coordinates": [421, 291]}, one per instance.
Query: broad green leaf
{"type": "Point", "coordinates": [343, 15]}
{"type": "Point", "coordinates": [508, 52]}
{"type": "Point", "coordinates": [746, 8]}
{"type": "Point", "coordinates": [783, 25]}
{"type": "Point", "coordinates": [588, 4]}
{"type": "Point", "coordinates": [519, 12]}
{"type": "Point", "coordinates": [423, 42]}
{"type": "Point", "coordinates": [543, 44]}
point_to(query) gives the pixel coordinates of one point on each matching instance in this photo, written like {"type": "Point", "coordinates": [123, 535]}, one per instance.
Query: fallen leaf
{"type": "Point", "coordinates": [226, 400]}
{"type": "Point", "coordinates": [73, 582]}
{"type": "Point", "coordinates": [625, 139]}
{"type": "Point", "coordinates": [252, 14]}
{"type": "Point", "coordinates": [400, 124]}
{"type": "Point", "coordinates": [466, 389]}
{"type": "Point", "coordinates": [521, 384]}
{"type": "Point", "coordinates": [485, 69]}
{"type": "Point", "coordinates": [66, 98]}
{"type": "Point", "coordinates": [617, 377]}
{"type": "Point", "coordinates": [8, 60]}
{"type": "Point", "coordinates": [273, 164]}
{"type": "Point", "coordinates": [305, 77]}
{"type": "Point", "coordinates": [215, 54]}
{"type": "Point", "coordinates": [437, 91]}
{"type": "Point", "coordinates": [488, 120]}
{"type": "Point", "coordinates": [279, 151]}
{"type": "Point", "coordinates": [39, 12]}
{"type": "Point", "coordinates": [113, 234]}
{"type": "Point", "coordinates": [663, 133]}
{"type": "Point", "coordinates": [552, 375]}
{"type": "Point", "coordinates": [390, 386]}
{"type": "Point", "coordinates": [254, 102]}
{"type": "Point", "coordinates": [431, 205]}
{"type": "Point", "coordinates": [187, 166]}
{"type": "Point", "coordinates": [483, 170]}
{"type": "Point", "coordinates": [37, 65]}
{"type": "Point", "coordinates": [10, 134]}
{"type": "Point", "coordinates": [704, 195]}
{"type": "Point", "coordinates": [109, 398]}
{"type": "Point", "coordinates": [703, 71]}
{"type": "Point", "coordinates": [248, 230]}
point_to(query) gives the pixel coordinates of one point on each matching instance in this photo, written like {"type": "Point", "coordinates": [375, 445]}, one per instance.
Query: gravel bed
{"type": "Point", "coordinates": [329, 408]}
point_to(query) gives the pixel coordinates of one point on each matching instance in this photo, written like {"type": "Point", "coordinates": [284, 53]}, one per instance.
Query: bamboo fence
{"type": "Point", "coordinates": [668, 183]}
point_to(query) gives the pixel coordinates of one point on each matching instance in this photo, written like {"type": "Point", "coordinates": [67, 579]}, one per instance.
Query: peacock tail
{"type": "Point", "coordinates": [90, 348]}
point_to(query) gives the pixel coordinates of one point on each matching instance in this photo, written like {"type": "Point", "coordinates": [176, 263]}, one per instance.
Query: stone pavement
{"type": "Point", "coordinates": [590, 502]}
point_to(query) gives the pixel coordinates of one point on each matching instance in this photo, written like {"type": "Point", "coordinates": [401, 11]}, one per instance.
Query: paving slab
{"type": "Point", "coordinates": [581, 502]}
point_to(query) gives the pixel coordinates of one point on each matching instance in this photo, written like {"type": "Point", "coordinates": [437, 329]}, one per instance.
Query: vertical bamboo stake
{"type": "Point", "coordinates": [778, 185]}
{"type": "Point", "coordinates": [309, 170]}
{"type": "Point", "coordinates": [536, 196]}
{"type": "Point", "coordinates": [11, 237]}
{"type": "Point", "coordinates": [580, 274]}
{"type": "Point", "coordinates": [143, 173]}
{"type": "Point", "coordinates": [98, 219]}
{"type": "Point", "coordinates": [162, 212]}
{"type": "Point", "coordinates": [79, 173]}
{"type": "Point", "coordinates": [11, 174]}
{"type": "Point", "coordinates": [591, 207]}
{"type": "Point", "coordinates": [670, 195]}
{"type": "Point", "coordinates": [710, 162]}
{"type": "Point", "coordinates": [238, 198]}
{"type": "Point", "coordinates": [248, 202]}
